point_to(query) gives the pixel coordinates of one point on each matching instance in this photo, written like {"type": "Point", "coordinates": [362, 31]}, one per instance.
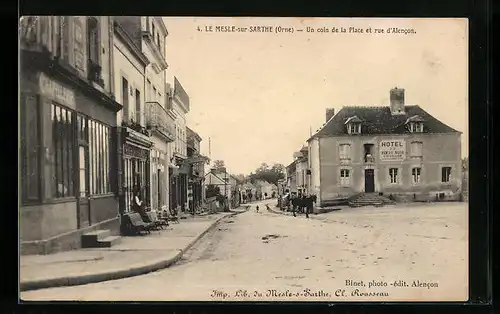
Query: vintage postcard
{"type": "Point", "coordinates": [243, 159]}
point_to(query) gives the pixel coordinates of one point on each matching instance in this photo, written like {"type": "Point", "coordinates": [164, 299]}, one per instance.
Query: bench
{"type": "Point", "coordinates": [138, 225]}
{"type": "Point", "coordinates": [166, 216]}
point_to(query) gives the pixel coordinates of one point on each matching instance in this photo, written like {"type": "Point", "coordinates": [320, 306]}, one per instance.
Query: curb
{"type": "Point", "coordinates": [115, 274]}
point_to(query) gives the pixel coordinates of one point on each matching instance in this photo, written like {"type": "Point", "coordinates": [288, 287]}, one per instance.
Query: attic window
{"type": "Point", "coordinates": [416, 127]}
{"type": "Point", "coordinates": [353, 125]}
{"type": "Point", "coordinates": [354, 128]}
{"type": "Point", "coordinates": [415, 124]}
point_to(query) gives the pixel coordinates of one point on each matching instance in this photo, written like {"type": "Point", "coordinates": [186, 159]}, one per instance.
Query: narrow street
{"type": "Point", "coordinates": [322, 258]}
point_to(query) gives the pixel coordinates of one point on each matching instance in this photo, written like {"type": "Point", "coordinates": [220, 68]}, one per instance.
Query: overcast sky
{"type": "Point", "coordinates": [256, 95]}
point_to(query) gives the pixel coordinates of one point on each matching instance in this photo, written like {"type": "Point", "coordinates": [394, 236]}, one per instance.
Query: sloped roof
{"type": "Point", "coordinates": [379, 120]}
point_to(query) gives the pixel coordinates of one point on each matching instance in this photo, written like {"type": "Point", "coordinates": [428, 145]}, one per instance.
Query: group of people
{"type": "Point", "coordinates": [302, 203]}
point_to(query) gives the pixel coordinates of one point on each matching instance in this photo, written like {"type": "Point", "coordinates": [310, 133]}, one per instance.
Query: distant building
{"type": "Point", "coordinates": [291, 177]}
{"type": "Point", "coordinates": [228, 185]}
{"type": "Point", "coordinates": [399, 150]}
{"type": "Point", "coordinates": [197, 162]}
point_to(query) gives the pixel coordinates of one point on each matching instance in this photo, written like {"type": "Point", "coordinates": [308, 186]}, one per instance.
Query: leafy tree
{"type": "Point", "coordinates": [219, 164]}
{"type": "Point", "coordinates": [269, 174]}
{"type": "Point", "coordinates": [212, 190]}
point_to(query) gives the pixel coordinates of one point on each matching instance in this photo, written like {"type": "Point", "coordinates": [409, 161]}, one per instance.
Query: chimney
{"type": "Point", "coordinates": [330, 112]}
{"type": "Point", "coordinates": [397, 101]}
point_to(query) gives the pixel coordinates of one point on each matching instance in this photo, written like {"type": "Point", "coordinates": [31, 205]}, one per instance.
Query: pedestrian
{"type": "Point", "coordinates": [138, 205]}
{"type": "Point", "coordinates": [294, 205]}
{"type": "Point", "coordinates": [257, 208]}
{"type": "Point", "coordinates": [309, 205]}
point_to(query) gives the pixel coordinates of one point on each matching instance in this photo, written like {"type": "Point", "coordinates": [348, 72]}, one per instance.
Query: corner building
{"type": "Point", "coordinates": [398, 150]}
{"type": "Point", "coordinates": [68, 131]}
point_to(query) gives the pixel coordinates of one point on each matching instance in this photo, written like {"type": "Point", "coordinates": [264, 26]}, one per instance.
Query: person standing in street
{"type": "Point", "coordinates": [257, 208]}
{"type": "Point", "coordinates": [309, 205]}
{"type": "Point", "coordinates": [294, 205]}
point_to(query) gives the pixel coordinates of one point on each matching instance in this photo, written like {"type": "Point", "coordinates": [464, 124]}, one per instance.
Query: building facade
{"type": "Point", "coordinates": [179, 173]}
{"type": "Point", "coordinates": [197, 162]}
{"type": "Point", "coordinates": [68, 131]}
{"type": "Point", "coordinates": [291, 177]}
{"type": "Point", "coordinates": [397, 150]}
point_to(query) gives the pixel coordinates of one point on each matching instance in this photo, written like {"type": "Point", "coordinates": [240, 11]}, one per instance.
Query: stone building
{"type": "Point", "coordinates": [197, 162]}
{"type": "Point", "coordinates": [399, 150]}
{"type": "Point", "coordinates": [180, 106]}
{"type": "Point", "coordinates": [148, 124]}
{"type": "Point", "coordinates": [68, 131]}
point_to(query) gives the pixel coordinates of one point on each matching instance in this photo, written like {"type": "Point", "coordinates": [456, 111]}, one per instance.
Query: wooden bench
{"type": "Point", "coordinates": [166, 216]}
{"type": "Point", "coordinates": [138, 225]}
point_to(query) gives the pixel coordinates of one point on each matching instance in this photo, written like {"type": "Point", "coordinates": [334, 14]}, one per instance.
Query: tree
{"type": "Point", "coordinates": [269, 174]}
{"type": "Point", "coordinates": [465, 163]}
{"type": "Point", "coordinates": [212, 190]}
{"type": "Point", "coordinates": [219, 164]}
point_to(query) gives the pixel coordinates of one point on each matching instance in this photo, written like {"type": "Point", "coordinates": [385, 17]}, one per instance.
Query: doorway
{"type": "Point", "coordinates": [369, 181]}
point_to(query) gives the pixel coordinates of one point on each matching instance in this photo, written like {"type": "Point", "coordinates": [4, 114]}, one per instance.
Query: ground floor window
{"type": "Point", "coordinates": [445, 174]}
{"type": "Point", "coordinates": [415, 175]}
{"type": "Point", "coordinates": [393, 174]}
{"type": "Point", "coordinates": [345, 177]}
{"type": "Point", "coordinates": [99, 153]}
{"type": "Point", "coordinates": [63, 144]}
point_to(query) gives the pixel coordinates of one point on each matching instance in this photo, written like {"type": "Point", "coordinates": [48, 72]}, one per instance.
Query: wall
{"type": "Point", "coordinates": [180, 144]}
{"type": "Point", "coordinates": [128, 66]}
{"type": "Point", "coordinates": [103, 208]}
{"type": "Point", "coordinates": [314, 165]}
{"type": "Point", "coordinates": [438, 151]}
{"type": "Point", "coordinates": [44, 221]}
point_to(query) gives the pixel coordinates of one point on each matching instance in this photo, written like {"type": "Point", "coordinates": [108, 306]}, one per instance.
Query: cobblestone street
{"type": "Point", "coordinates": [264, 256]}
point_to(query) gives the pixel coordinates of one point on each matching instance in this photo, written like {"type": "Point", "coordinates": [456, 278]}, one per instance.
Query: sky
{"type": "Point", "coordinates": [257, 96]}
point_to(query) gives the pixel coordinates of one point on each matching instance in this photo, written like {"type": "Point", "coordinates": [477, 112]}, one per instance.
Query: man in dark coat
{"type": "Point", "coordinates": [309, 205]}
{"type": "Point", "coordinates": [294, 205]}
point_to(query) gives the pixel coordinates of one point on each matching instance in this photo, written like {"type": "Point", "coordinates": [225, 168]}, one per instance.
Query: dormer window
{"type": "Point", "coordinates": [416, 127]}
{"type": "Point", "coordinates": [353, 125]}
{"type": "Point", "coordinates": [415, 124]}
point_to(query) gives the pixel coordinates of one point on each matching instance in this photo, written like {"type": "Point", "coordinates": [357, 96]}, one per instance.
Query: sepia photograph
{"type": "Point", "coordinates": [248, 159]}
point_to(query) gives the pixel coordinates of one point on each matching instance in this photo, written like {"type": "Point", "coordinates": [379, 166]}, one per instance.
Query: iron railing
{"type": "Point", "coordinates": [158, 119]}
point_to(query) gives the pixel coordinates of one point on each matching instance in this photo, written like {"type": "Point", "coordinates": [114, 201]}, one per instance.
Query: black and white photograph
{"type": "Point", "coordinates": [247, 159]}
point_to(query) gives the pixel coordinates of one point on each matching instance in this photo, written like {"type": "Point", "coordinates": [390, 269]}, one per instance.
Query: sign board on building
{"type": "Point", "coordinates": [392, 150]}
{"type": "Point", "coordinates": [56, 91]}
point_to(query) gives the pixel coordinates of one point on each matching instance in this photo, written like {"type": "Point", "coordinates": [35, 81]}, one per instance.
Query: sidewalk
{"type": "Point", "coordinates": [131, 257]}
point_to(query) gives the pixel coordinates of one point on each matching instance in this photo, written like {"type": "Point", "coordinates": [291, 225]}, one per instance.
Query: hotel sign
{"type": "Point", "coordinates": [56, 91]}
{"type": "Point", "coordinates": [392, 150]}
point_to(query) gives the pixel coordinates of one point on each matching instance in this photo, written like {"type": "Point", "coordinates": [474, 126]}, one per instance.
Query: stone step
{"type": "Point", "coordinates": [109, 241]}
{"type": "Point", "coordinates": [90, 239]}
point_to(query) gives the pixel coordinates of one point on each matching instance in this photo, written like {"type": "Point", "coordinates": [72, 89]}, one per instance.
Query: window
{"type": "Point", "coordinates": [158, 40]}
{"type": "Point", "coordinates": [93, 39]}
{"type": "Point", "coordinates": [125, 95]}
{"type": "Point", "coordinates": [415, 175]}
{"type": "Point", "coordinates": [149, 91]}
{"type": "Point", "coordinates": [64, 44]}
{"type": "Point", "coordinates": [393, 174]}
{"type": "Point", "coordinates": [153, 29]}
{"type": "Point", "coordinates": [416, 127]}
{"type": "Point", "coordinates": [62, 143]}
{"type": "Point", "coordinates": [354, 128]}
{"type": "Point", "coordinates": [99, 158]}
{"type": "Point", "coordinates": [345, 178]}
{"type": "Point", "coordinates": [445, 174]}
{"type": "Point", "coordinates": [30, 172]}
{"type": "Point", "coordinates": [345, 151]}
{"type": "Point", "coordinates": [416, 149]}
{"type": "Point", "coordinates": [138, 106]}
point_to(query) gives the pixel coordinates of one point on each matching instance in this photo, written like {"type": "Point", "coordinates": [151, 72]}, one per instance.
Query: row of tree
{"type": "Point", "coordinates": [269, 173]}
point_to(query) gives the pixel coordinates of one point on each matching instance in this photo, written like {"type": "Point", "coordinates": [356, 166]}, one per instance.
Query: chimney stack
{"type": "Point", "coordinates": [397, 101]}
{"type": "Point", "coordinates": [330, 112]}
